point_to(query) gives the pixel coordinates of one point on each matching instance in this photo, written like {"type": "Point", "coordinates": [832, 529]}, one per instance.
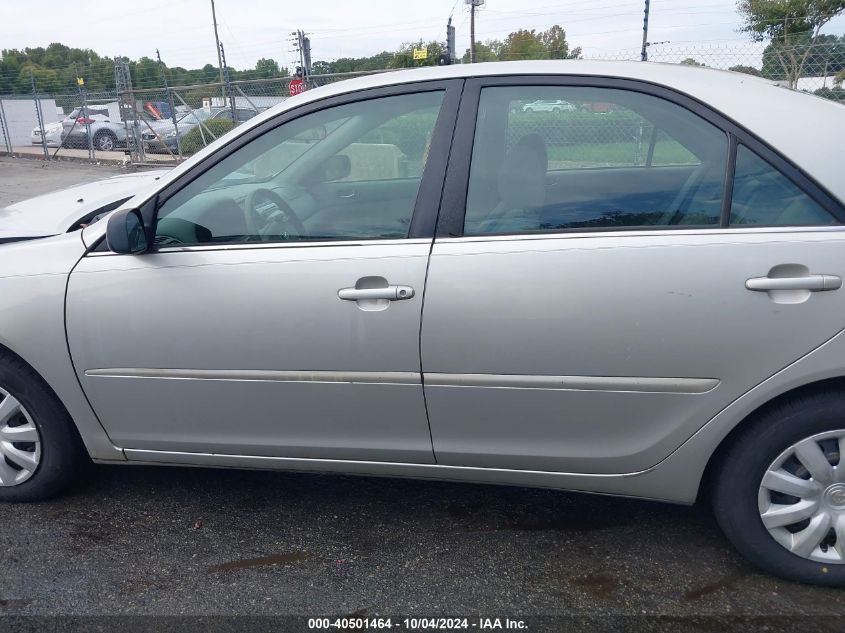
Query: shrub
{"type": "Point", "coordinates": [193, 140]}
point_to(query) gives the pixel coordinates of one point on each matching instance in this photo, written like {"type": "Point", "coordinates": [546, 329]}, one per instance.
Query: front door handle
{"type": "Point", "coordinates": [813, 283]}
{"type": "Point", "coordinates": [391, 293]}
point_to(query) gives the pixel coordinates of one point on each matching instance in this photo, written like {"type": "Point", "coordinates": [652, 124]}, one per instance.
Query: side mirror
{"type": "Point", "coordinates": [337, 167]}
{"type": "Point", "coordinates": [125, 232]}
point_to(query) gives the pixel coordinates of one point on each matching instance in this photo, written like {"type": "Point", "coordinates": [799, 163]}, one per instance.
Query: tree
{"type": "Point", "coordinates": [748, 70]}
{"type": "Point", "coordinates": [840, 78]}
{"type": "Point", "coordinates": [792, 26]}
{"type": "Point", "coordinates": [523, 44]}
{"type": "Point", "coordinates": [554, 39]}
{"type": "Point", "coordinates": [404, 57]}
{"type": "Point", "coordinates": [825, 57]}
{"type": "Point", "coordinates": [266, 68]}
{"type": "Point", "coordinates": [486, 52]}
{"type": "Point", "coordinates": [689, 61]}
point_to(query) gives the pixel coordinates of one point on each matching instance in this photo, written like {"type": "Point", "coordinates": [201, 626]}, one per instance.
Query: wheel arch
{"type": "Point", "coordinates": [824, 385]}
{"type": "Point", "coordinates": [7, 352]}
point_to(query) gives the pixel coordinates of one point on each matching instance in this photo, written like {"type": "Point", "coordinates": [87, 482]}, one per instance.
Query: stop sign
{"type": "Point", "coordinates": [296, 86]}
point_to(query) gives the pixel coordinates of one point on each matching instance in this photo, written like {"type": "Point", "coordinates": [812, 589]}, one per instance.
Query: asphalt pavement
{"type": "Point", "coordinates": [133, 540]}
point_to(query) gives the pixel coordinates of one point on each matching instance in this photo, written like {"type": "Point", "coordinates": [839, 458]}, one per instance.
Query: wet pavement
{"type": "Point", "coordinates": [141, 540]}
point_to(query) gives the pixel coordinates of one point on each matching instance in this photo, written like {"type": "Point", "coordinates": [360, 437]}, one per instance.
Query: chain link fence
{"type": "Point", "coordinates": [170, 123]}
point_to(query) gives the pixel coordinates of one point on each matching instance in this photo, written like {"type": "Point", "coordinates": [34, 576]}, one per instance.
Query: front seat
{"type": "Point", "coordinates": [522, 189]}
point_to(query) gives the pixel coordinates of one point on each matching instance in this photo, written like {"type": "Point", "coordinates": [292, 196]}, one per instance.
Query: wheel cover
{"type": "Point", "coordinates": [802, 498]}
{"type": "Point", "coordinates": [105, 142]}
{"type": "Point", "coordinates": [20, 442]}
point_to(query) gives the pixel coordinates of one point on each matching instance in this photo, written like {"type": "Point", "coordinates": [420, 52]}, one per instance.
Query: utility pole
{"type": "Point", "coordinates": [473, 5]}
{"type": "Point", "coordinates": [644, 55]}
{"type": "Point", "coordinates": [472, 32]}
{"type": "Point", "coordinates": [217, 41]}
{"type": "Point", "coordinates": [306, 58]}
{"type": "Point", "coordinates": [302, 46]}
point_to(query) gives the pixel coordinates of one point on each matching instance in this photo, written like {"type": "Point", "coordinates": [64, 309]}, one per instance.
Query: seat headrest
{"type": "Point", "coordinates": [522, 177]}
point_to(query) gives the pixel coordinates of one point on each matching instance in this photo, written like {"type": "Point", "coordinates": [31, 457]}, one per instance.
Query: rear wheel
{"type": "Point", "coordinates": [780, 493]}
{"type": "Point", "coordinates": [105, 141]}
{"type": "Point", "coordinates": [39, 448]}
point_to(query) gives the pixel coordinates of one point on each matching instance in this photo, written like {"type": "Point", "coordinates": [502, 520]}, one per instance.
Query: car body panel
{"type": "Point", "coordinates": [629, 305]}
{"type": "Point", "coordinates": [53, 133]}
{"type": "Point", "coordinates": [33, 277]}
{"type": "Point", "coordinates": [262, 310]}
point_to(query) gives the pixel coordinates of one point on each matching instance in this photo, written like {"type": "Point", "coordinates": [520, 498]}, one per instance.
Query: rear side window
{"type": "Point", "coordinates": [551, 158]}
{"type": "Point", "coordinates": [762, 195]}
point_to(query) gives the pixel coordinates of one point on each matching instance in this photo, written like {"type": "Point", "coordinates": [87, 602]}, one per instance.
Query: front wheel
{"type": "Point", "coordinates": [39, 448]}
{"type": "Point", "coordinates": [780, 492]}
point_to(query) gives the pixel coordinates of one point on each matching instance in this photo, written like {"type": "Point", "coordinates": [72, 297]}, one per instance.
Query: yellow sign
{"type": "Point", "coordinates": [420, 53]}
{"type": "Point", "coordinates": [80, 81]}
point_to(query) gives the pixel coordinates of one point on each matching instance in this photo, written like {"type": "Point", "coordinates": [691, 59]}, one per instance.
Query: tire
{"type": "Point", "coordinates": [60, 452]}
{"type": "Point", "coordinates": [105, 141]}
{"type": "Point", "coordinates": [738, 498]}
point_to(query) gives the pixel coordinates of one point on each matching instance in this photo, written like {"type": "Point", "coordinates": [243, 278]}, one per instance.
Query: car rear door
{"type": "Point", "coordinates": [605, 281]}
{"type": "Point", "coordinates": [245, 332]}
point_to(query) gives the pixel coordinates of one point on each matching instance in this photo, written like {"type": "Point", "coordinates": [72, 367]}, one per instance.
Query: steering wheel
{"type": "Point", "coordinates": [254, 219]}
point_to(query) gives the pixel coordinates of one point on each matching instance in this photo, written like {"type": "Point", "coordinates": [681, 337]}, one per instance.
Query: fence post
{"type": "Point", "coordinates": [40, 117]}
{"type": "Point", "coordinates": [79, 84]}
{"type": "Point", "coordinates": [175, 121]}
{"type": "Point", "coordinates": [5, 128]}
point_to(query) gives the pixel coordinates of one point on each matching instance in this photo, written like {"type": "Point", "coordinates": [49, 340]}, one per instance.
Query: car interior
{"type": "Point", "coordinates": [516, 186]}
{"type": "Point", "coordinates": [350, 172]}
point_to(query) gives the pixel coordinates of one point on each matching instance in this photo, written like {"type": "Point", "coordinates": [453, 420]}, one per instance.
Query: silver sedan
{"type": "Point", "coordinates": [407, 275]}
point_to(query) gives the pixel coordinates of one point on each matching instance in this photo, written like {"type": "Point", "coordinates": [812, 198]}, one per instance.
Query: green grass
{"type": "Point", "coordinates": [666, 152]}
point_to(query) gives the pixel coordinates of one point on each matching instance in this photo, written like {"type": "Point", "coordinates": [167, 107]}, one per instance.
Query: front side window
{"type": "Point", "coordinates": [347, 172]}
{"type": "Point", "coordinates": [762, 195]}
{"type": "Point", "coordinates": [549, 158]}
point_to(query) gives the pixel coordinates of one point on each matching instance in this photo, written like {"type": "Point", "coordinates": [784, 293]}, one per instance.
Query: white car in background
{"type": "Point", "coordinates": [106, 134]}
{"type": "Point", "coordinates": [555, 105]}
{"type": "Point", "coordinates": [72, 208]}
{"type": "Point", "coordinates": [52, 134]}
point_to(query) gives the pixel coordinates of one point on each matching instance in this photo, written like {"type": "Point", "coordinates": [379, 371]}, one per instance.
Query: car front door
{"type": "Point", "coordinates": [263, 323]}
{"type": "Point", "coordinates": [604, 282]}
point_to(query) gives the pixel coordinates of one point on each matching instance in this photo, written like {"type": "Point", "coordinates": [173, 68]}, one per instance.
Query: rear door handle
{"type": "Point", "coordinates": [813, 283]}
{"type": "Point", "coordinates": [391, 293]}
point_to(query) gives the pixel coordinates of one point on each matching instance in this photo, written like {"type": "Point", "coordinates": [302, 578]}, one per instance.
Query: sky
{"type": "Point", "coordinates": [251, 29]}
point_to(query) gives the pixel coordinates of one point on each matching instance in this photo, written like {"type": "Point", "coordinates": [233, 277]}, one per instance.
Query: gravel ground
{"type": "Point", "coordinates": [176, 541]}
{"type": "Point", "coordinates": [22, 178]}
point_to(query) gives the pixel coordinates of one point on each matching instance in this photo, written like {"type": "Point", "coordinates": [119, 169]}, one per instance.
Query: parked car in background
{"type": "Point", "coordinates": [71, 208]}
{"type": "Point", "coordinates": [52, 134]}
{"type": "Point", "coordinates": [165, 132]}
{"type": "Point", "coordinates": [105, 133]}
{"type": "Point", "coordinates": [400, 275]}
{"type": "Point", "coordinates": [553, 105]}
